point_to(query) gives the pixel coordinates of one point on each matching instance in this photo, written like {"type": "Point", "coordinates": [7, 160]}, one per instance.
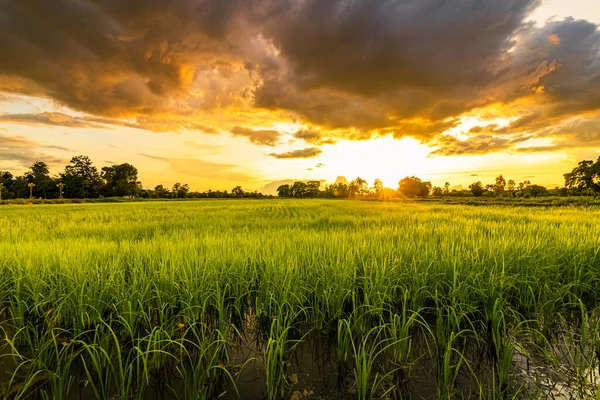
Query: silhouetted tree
{"type": "Point", "coordinates": [438, 191]}
{"type": "Point", "coordinates": [121, 180]}
{"type": "Point", "coordinates": [162, 192]}
{"type": "Point", "coordinates": [477, 189]}
{"type": "Point", "coordinates": [511, 186]}
{"type": "Point", "coordinates": [586, 176]}
{"type": "Point", "coordinates": [7, 182]}
{"type": "Point", "coordinates": [284, 191]}
{"type": "Point", "coordinates": [312, 188]}
{"type": "Point", "coordinates": [39, 175]}
{"type": "Point", "coordinates": [413, 187]}
{"type": "Point", "coordinates": [377, 186]}
{"type": "Point", "coordinates": [537, 190]}
{"type": "Point", "coordinates": [237, 191]}
{"type": "Point", "coordinates": [357, 187]}
{"type": "Point", "coordinates": [180, 191]}
{"type": "Point", "coordinates": [500, 185]}
{"type": "Point", "coordinates": [298, 189]}
{"type": "Point", "coordinates": [81, 178]}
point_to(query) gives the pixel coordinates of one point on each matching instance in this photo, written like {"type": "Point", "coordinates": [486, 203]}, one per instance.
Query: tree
{"type": "Point", "coordinates": [500, 185]}
{"type": "Point", "coordinates": [298, 189]}
{"type": "Point", "coordinates": [340, 190]}
{"type": "Point", "coordinates": [447, 188]}
{"type": "Point", "coordinates": [586, 176]}
{"type": "Point", "coordinates": [377, 186]}
{"type": "Point", "coordinates": [523, 185]}
{"type": "Point", "coordinates": [284, 191]}
{"type": "Point", "coordinates": [312, 188]}
{"type": "Point", "coordinates": [162, 192]}
{"type": "Point", "coordinates": [537, 190]}
{"type": "Point", "coordinates": [438, 191]}
{"type": "Point", "coordinates": [60, 187]}
{"type": "Point", "coordinates": [477, 188]}
{"type": "Point", "coordinates": [121, 180]}
{"type": "Point", "coordinates": [19, 187]}
{"type": "Point", "coordinates": [6, 184]}
{"type": "Point", "coordinates": [511, 187]}
{"type": "Point", "coordinates": [357, 187]}
{"type": "Point", "coordinates": [31, 186]}
{"type": "Point", "coordinates": [39, 175]}
{"type": "Point", "coordinates": [81, 178]}
{"type": "Point", "coordinates": [237, 191]}
{"type": "Point", "coordinates": [180, 191]}
{"type": "Point", "coordinates": [413, 187]}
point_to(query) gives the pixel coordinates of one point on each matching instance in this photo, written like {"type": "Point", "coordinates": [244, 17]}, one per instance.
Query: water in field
{"type": "Point", "coordinates": [299, 300]}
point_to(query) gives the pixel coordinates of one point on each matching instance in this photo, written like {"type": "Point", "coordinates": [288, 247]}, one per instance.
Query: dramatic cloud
{"type": "Point", "coordinates": [309, 152]}
{"type": "Point", "coordinates": [54, 119]}
{"type": "Point", "coordinates": [313, 137]}
{"type": "Point", "coordinates": [262, 137]}
{"type": "Point", "coordinates": [23, 152]}
{"type": "Point", "coordinates": [448, 145]}
{"type": "Point", "coordinates": [351, 69]}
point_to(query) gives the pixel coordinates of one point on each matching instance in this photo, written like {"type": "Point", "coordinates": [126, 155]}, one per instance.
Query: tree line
{"type": "Point", "coordinates": [582, 180]}
{"type": "Point", "coordinates": [81, 179]}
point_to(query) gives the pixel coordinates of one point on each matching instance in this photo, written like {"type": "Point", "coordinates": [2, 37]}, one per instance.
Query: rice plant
{"type": "Point", "coordinates": [416, 300]}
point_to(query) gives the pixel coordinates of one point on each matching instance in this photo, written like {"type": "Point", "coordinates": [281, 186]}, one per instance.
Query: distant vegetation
{"type": "Point", "coordinates": [82, 180]}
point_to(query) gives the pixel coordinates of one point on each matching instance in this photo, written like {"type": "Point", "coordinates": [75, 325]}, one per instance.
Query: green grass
{"type": "Point", "coordinates": [101, 300]}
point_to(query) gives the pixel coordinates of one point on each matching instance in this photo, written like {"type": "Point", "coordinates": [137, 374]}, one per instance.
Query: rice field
{"type": "Point", "coordinates": [299, 299]}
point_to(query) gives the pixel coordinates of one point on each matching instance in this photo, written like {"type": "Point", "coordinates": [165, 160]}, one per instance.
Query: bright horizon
{"type": "Point", "coordinates": [217, 96]}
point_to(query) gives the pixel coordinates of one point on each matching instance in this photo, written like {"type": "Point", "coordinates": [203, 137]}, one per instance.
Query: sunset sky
{"type": "Point", "coordinates": [216, 93]}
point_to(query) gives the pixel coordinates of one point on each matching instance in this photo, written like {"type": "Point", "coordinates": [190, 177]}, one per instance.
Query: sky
{"type": "Point", "coordinates": [257, 93]}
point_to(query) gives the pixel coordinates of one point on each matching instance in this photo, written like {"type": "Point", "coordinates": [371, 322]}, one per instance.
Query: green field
{"type": "Point", "coordinates": [299, 299]}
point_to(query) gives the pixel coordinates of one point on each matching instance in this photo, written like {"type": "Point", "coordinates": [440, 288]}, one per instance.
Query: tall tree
{"type": "Point", "coordinates": [357, 187]}
{"type": "Point", "coordinates": [39, 175]}
{"type": "Point", "coordinates": [6, 182]}
{"type": "Point", "coordinates": [121, 180]}
{"type": "Point", "coordinates": [81, 178]}
{"type": "Point", "coordinates": [284, 191]}
{"type": "Point", "coordinates": [377, 186]}
{"type": "Point", "coordinates": [511, 186]}
{"type": "Point", "coordinates": [586, 176]}
{"type": "Point", "coordinates": [312, 188]}
{"type": "Point", "coordinates": [237, 191]}
{"type": "Point", "coordinates": [298, 189]}
{"type": "Point", "coordinates": [500, 185]}
{"type": "Point", "coordinates": [447, 188]}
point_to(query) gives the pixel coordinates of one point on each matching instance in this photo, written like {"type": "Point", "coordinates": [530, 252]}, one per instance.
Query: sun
{"type": "Point", "coordinates": [382, 158]}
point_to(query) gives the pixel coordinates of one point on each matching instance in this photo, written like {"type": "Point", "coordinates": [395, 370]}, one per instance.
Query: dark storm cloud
{"type": "Point", "coordinates": [350, 69]}
{"type": "Point", "coordinates": [309, 152]}
{"type": "Point", "coordinates": [262, 137]}
{"type": "Point", "coordinates": [562, 61]}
